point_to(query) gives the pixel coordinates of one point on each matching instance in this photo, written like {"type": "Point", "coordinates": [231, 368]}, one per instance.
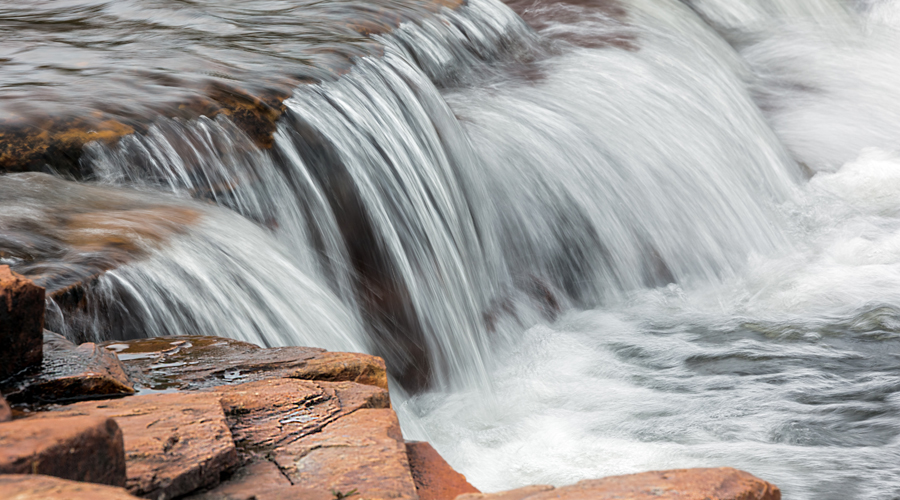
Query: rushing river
{"type": "Point", "coordinates": [591, 238]}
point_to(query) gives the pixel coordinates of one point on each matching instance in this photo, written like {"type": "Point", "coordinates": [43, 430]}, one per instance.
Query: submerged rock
{"type": "Point", "coordinates": [435, 479]}
{"type": "Point", "coordinates": [21, 323]}
{"type": "Point", "coordinates": [723, 483]}
{"type": "Point", "coordinates": [70, 373]}
{"type": "Point", "coordinates": [81, 448]}
{"type": "Point", "coordinates": [40, 487]}
{"type": "Point", "coordinates": [200, 362]}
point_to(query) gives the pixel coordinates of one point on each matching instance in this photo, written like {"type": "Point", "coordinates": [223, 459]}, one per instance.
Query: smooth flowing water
{"type": "Point", "coordinates": [624, 236]}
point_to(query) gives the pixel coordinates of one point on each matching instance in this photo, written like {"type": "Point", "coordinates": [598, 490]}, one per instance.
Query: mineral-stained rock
{"type": "Point", "coordinates": [682, 484]}
{"type": "Point", "coordinates": [39, 487]}
{"type": "Point", "coordinates": [174, 443]}
{"type": "Point", "coordinates": [198, 362]}
{"type": "Point", "coordinates": [435, 479]}
{"type": "Point", "coordinates": [5, 413]}
{"type": "Point", "coordinates": [21, 322]}
{"type": "Point", "coordinates": [70, 372]}
{"type": "Point", "coordinates": [361, 454]}
{"type": "Point", "coordinates": [88, 448]}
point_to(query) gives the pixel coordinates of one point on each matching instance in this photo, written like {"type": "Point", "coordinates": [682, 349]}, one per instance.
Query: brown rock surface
{"type": "Point", "coordinates": [172, 362]}
{"type": "Point", "coordinates": [434, 478]}
{"type": "Point", "coordinates": [39, 487]}
{"type": "Point", "coordinates": [88, 448]}
{"type": "Point", "coordinates": [71, 372]}
{"type": "Point", "coordinates": [361, 454]}
{"type": "Point", "coordinates": [174, 443]}
{"type": "Point", "coordinates": [21, 323]}
{"type": "Point", "coordinates": [5, 412]}
{"type": "Point", "coordinates": [681, 484]}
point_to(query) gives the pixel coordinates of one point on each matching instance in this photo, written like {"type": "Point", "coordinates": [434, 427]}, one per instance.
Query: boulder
{"type": "Point", "coordinates": [682, 484]}
{"type": "Point", "coordinates": [201, 362]}
{"type": "Point", "coordinates": [21, 323]}
{"type": "Point", "coordinates": [174, 443]}
{"type": "Point", "coordinates": [82, 448]}
{"type": "Point", "coordinates": [39, 487]}
{"type": "Point", "coordinates": [71, 373]}
{"type": "Point", "coordinates": [5, 412]}
{"type": "Point", "coordinates": [434, 478]}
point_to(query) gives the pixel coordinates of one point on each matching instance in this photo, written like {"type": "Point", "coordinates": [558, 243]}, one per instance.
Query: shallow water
{"type": "Point", "coordinates": [635, 235]}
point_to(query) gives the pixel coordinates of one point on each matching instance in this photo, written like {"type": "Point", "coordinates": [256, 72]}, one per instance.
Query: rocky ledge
{"type": "Point", "coordinates": [208, 418]}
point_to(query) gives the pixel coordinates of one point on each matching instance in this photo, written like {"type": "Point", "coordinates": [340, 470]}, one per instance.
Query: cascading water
{"type": "Point", "coordinates": [590, 249]}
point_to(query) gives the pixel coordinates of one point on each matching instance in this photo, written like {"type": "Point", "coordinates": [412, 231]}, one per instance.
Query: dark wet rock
{"type": "Point", "coordinates": [21, 323]}
{"type": "Point", "coordinates": [682, 484]}
{"type": "Point", "coordinates": [199, 362]}
{"type": "Point", "coordinates": [40, 487]}
{"type": "Point", "coordinates": [5, 412]}
{"type": "Point", "coordinates": [70, 373]}
{"type": "Point", "coordinates": [362, 453]}
{"type": "Point", "coordinates": [174, 443]}
{"type": "Point", "coordinates": [434, 478]}
{"type": "Point", "coordinates": [81, 448]}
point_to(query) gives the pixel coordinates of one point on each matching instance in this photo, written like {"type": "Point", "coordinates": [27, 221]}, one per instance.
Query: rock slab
{"type": "Point", "coordinates": [21, 323]}
{"type": "Point", "coordinates": [84, 448]}
{"type": "Point", "coordinates": [70, 373]}
{"type": "Point", "coordinates": [434, 478]}
{"type": "Point", "coordinates": [681, 484]}
{"type": "Point", "coordinates": [39, 487]}
{"type": "Point", "coordinates": [174, 443]}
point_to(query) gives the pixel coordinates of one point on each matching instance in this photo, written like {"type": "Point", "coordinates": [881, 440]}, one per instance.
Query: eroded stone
{"type": "Point", "coordinates": [174, 443]}
{"type": "Point", "coordinates": [21, 323]}
{"type": "Point", "coordinates": [434, 478]}
{"type": "Point", "coordinates": [723, 483]}
{"type": "Point", "coordinates": [362, 454]}
{"type": "Point", "coordinates": [71, 372]}
{"type": "Point", "coordinates": [81, 448]}
{"type": "Point", "coordinates": [40, 487]}
{"type": "Point", "coordinates": [199, 362]}
{"type": "Point", "coordinates": [5, 412]}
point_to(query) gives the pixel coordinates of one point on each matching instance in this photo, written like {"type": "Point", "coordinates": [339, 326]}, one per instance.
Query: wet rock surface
{"type": "Point", "coordinates": [70, 372]}
{"type": "Point", "coordinates": [435, 479]}
{"type": "Point", "coordinates": [680, 484]}
{"type": "Point", "coordinates": [84, 448]}
{"type": "Point", "coordinates": [40, 487]}
{"type": "Point", "coordinates": [21, 322]}
{"type": "Point", "coordinates": [5, 412]}
{"type": "Point", "coordinates": [200, 362]}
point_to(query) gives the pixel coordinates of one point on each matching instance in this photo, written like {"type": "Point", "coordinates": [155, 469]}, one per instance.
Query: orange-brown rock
{"type": "Point", "coordinates": [174, 443]}
{"type": "Point", "coordinates": [681, 484]}
{"type": "Point", "coordinates": [40, 487]}
{"type": "Point", "coordinates": [435, 479]}
{"type": "Point", "coordinates": [82, 448]}
{"type": "Point", "coordinates": [172, 362]}
{"type": "Point", "coordinates": [269, 417]}
{"type": "Point", "coordinates": [71, 373]}
{"type": "Point", "coordinates": [21, 323]}
{"type": "Point", "coordinates": [361, 454]}
{"type": "Point", "coordinates": [5, 412]}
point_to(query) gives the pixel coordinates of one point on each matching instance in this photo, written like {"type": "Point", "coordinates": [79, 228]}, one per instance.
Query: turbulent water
{"type": "Point", "coordinates": [633, 235]}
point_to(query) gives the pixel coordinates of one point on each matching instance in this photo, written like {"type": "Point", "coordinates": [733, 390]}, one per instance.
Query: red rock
{"type": "Point", "coordinates": [5, 412]}
{"type": "Point", "coordinates": [681, 484]}
{"type": "Point", "coordinates": [435, 479]}
{"type": "Point", "coordinates": [70, 373]}
{"type": "Point", "coordinates": [174, 443]}
{"type": "Point", "coordinates": [39, 487]}
{"type": "Point", "coordinates": [86, 449]}
{"type": "Point", "coordinates": [202, 362]}
{"type": "Point", "coordinates": [360, 454]}
{"type": "Point", "coordinates": [21, 323]}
